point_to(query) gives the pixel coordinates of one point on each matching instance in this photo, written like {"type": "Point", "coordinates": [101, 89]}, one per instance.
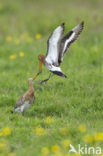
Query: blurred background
{"type": "Point", "coordinates": [42, 16]}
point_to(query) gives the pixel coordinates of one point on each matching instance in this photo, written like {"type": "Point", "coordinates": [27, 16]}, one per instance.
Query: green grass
{"type": "Point", "coordinates": [70, 102]}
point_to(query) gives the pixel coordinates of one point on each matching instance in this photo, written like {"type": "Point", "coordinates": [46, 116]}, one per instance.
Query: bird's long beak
{"type": "Point", "coordinates": [40, 70]}
{"type": "Point", "coordinates": [40, 66]}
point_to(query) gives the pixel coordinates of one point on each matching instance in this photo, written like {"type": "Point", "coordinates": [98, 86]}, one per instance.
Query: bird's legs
{"type": "Point", "coordinates": [40, 70]}
{"type": "Point", "coordinates": [47, 78]}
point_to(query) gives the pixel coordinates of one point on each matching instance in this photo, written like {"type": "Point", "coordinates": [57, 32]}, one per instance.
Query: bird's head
{"type": "Point", "coordinates": [41, 58]}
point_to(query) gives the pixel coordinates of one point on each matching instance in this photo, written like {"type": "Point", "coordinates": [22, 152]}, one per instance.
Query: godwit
{"type": "Point", "coordinates": [57, 47]}
{"type": "Point", "coordinates": [26, 100]}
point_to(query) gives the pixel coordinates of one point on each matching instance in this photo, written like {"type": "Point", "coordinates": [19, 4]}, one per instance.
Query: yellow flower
{"type": "Point", "coordinates": [58, 154]}
{"type": "Point", "coordinates": [8, 38]}
{"type": "Point", "coordinates": [88, 138]}
{"type": "Point", "coordinates": [11, 154]}
{"type": "Point", "coordinates": [64, 131]}
{"type": "Point", "coordinates": [48, 120]}
{"type": "Point", "coordinates": [66, 143]}
{"type": "Point", "coordinates": [98, 136]}
{"type": "Point", "coordinates": [45, 151]}
{"type": "Point", "coordinates": [2, 145]}
{"type": "Point", "coordinates": [38, 36]}
{"type": "Point", "coordinates": [21, 54]}
{"type": "Point", "coordinates": [82, 128]}
{"type": "Point", "coordinates": [1, 133]}
{"type": "Point", "coordinates": [6, 131]}
{"type": "Point", "coordinates": [66, 154]}
{"type": "Point", "coordinates": [13, 56]}
{"type": "Point", "coordinates": [39, 131]}
{"type": "Point", "coordinates": [55, 148]}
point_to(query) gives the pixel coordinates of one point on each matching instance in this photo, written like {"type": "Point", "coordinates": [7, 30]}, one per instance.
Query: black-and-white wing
{"type": "Point", "coordinates": [68, 39]}
{"type": "Point", "coordinates": [53, 48]}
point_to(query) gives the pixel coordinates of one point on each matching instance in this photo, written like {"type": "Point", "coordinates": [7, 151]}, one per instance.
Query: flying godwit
{"type": "Point", "coordinates": [57, 47]}
{"type": "Point", "coordinates": [26, 100]}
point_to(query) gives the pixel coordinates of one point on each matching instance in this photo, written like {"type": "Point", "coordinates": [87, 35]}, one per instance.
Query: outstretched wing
{"type": "Point", "coordinates": [68, 39]}
{"type": "Point", "coordinates": [53, 48]}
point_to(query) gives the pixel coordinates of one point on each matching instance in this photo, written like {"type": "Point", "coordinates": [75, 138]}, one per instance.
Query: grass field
{"type": "Point", "coordinates": [65, 110]}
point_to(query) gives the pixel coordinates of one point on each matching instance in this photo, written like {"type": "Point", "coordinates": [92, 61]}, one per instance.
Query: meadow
{"type": "Point", "coordinates": [65, 111]}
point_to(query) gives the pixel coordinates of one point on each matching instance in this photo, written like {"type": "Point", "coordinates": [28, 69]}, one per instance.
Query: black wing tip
{"type": "Point", "coordinates": [82, 24]}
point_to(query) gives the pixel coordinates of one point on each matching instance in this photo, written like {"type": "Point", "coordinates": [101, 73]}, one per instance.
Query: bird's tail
{"type": "Point", "coordinates": [59, 73]}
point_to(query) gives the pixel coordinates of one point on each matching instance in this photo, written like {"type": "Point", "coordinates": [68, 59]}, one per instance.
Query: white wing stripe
{"type": "Point", "coordinates": [68, 40]}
